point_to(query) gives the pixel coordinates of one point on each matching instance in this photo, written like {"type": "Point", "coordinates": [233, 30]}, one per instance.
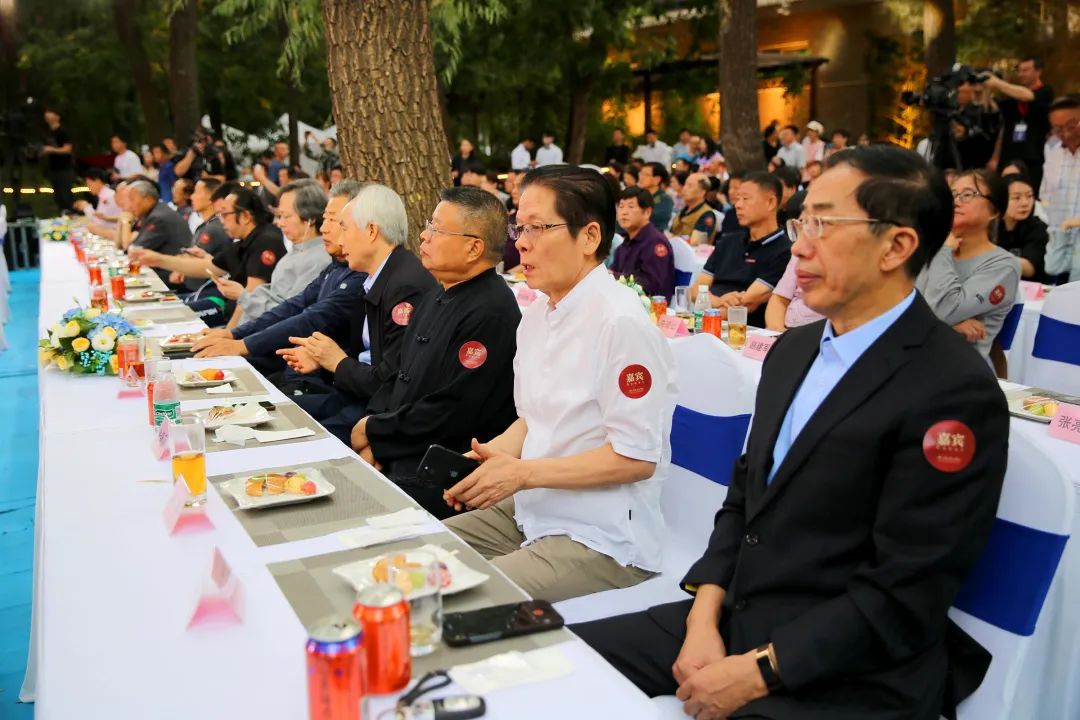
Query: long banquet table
{"type": "Point", "coordinates": [113, 591]}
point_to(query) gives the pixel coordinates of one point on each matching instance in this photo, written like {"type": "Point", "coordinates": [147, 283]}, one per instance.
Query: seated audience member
{"type": "Point", "coordinates": [250, 260]}
{"type": "Point", "coordinates": [107, 211]}
{"type": "Point", "coordinates": [209, 237]}
{"type": "Point", "coordinates": [299, 215]}
{"type": "Point", "coordinates": [847, 530]}
{"type": "Point", "coordinates": [1021, 233]}
{"type": "Point", "coordinates": [181, 198]}
{"type": "Point", "coordinates": [567, 497]}
{"type": "Point", "coordinates": [645, 253]}
{"type": "Point", "coordinates": [786, 308]}
{"type": "Point", "coordinates": [726, 205]}
{"type": "Point", "coordinates": [373, 229]}
{"type": "Point", "coordinates": [653, 177]}
{"type": "Point", "coordinates": [158, 227]}
{"type": "Point", "coordinates": [791, 197]}
{"type": "Point", "coordinates": [630, 175]}
{"type": "Point", "coordinates": [1059, 189]}
{"type": "Point", "coordinates": [322, 306]}
{"type": "Point", "coordinates": [745, 267]}
{"type": "Point", "coordinates": [696, 222]}
{"type": "Point", "coordinates": [971, 283]}
{"type": "Point", "coordinates": [456, 377]}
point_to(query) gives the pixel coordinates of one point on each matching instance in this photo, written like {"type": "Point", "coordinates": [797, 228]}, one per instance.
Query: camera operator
{"type": "Point", "coordinates": [198, 159]}
{"type": "Point", "coordinates": [1026, 120]}
{"type": "Point", "coordinates": [976, 127]}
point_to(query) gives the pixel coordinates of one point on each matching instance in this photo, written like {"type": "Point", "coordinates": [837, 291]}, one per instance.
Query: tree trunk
{"type": "Point", "coordinates": [580, 98]}
{"type": "Point", "coordinates": [1059, 65]}
{"type": "Point", "coordinates": [184, 70]}
{"type": "Point", "coordinates": [740, 129]}
{"type": "Point", "coordinates": [381, 70]}
{"type": "Point", "coordinates": [292, 105]}
{"type": "Point", "coordinates": [939, 33]}
{"type": "Point", "coordinates": [125, 15]}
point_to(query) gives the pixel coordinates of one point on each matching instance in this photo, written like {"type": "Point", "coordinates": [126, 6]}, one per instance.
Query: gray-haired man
{"type": "Point", "coordinates": [159, 227]}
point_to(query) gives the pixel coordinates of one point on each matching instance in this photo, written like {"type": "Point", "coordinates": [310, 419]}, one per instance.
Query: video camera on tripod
{"type": "Point", "coordinates": [939, 98]}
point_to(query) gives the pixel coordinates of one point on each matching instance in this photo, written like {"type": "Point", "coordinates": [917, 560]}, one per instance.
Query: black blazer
{"type": "Point", "coordinates": [400, 285]}
{"type": "Point", "coordinates": [850, 559]}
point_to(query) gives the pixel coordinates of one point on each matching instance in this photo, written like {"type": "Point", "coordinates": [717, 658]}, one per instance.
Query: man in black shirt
{"type": "Point", "coordinates": [618, 151]}
{"type": "Point", "coordinates": [1025, 114]}
{"type": "Point", "coordinates": [160, 228]}
{"type": "Point", "coordinates": [456, 380]}
{"type": "Point", "coordinates": [210, 236]}
{"type": "Point", "coordinates": [61, 171]}
{"type": "Point", "coordinates": [744, 268]}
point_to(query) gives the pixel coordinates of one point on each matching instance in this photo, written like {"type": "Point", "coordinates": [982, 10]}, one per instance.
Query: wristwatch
{"type": "Point", "coordinates": [766, 662]}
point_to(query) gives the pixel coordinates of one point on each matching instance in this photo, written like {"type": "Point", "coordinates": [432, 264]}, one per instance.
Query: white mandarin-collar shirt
{"type": "Point", "coordinates": [591, 371]}
{"type": "Point", "coordinates": [520, 157]}
{"type": "Point", "coordinates": [549, 155]}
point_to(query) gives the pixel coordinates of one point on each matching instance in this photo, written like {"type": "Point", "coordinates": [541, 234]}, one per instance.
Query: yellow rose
{"type": "Point", "coordinates": [61, 362]}
{"type": "Point", "coordinates": [114, 364]}
{"type": "Point", "coordinates": [70, 330]}
{"type": "Point", "coordinates": [80, 344]}
{"type": "Point", "coordinates": [110, 331]}
{"type": "Point", "coordinates": [45, 356]}
{"type": "Point", "coordinates": [103, 342]}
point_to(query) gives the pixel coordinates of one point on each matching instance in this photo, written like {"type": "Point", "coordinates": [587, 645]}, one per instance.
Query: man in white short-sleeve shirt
{"type": "Point", "coordinates": [126, 162]}
{"type": "Point", "coordinates": [569, 495]}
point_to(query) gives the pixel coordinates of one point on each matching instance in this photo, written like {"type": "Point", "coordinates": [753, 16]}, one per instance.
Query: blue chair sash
{"type": "Point", "coordinates": [708, 445]}
{"type": "Point", "coordinates": [683, 277]}
{"type": "Point", "coordinates": [1008, 585]}
{"type": "Point", "coordinates": [1008, 328]}
{"type": "Point", "coordinates": [1057, 340]}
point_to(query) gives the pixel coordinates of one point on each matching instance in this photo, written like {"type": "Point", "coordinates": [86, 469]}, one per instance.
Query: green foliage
{"type": "Point", "coordinates": [301, 20]}
{"type": "Point", "coordinates": [452, 24]}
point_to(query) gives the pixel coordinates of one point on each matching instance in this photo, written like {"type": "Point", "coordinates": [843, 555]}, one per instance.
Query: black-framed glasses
{"type": "Point", "coordinates": [430, 227]}
{"type": "Point", "coordinates": [532, 229]}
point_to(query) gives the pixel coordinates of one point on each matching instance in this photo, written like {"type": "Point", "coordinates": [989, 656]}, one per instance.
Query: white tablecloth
{"type": "Point", "coordinates": [113, 592]}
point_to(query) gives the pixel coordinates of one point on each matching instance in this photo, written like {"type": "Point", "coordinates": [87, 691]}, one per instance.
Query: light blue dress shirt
{"type": "Point", "coordinates": [836, 355]}
{"type": "Point", "coordinates": [369, 282]}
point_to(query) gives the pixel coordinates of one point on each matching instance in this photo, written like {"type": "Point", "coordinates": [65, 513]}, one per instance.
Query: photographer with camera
{"type": "Point", "coordinates": [201, 159]}
{"type": "Point", "coordinates": [977, 127]}
{"type": "Point", "coordinates": [1025, 112]}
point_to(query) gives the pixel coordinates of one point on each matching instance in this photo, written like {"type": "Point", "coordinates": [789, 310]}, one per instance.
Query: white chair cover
{"type": "Point", "coordinates": [1055, 357]}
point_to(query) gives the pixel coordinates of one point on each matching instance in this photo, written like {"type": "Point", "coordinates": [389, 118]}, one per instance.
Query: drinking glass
{"type": "Point", "coordinates": [681, 300]}
{"type": "Point", "coordinates": [420, 579]}
{"type": "Point", "coordinates": [187, 446]}
{"type": "Point", "coordinates": [736, 317]}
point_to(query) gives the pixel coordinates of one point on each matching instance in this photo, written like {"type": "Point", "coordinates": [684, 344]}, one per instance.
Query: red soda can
{"type": "Point", "coordinates": [116, 282]}
{"type": "Point", "coordinates": [335, 668]}
{"type": "Point", "coordinates": [383, 613]}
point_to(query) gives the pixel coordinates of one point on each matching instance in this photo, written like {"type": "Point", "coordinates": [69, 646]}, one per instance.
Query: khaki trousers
{"type": "Point", "coordinates": [552, 568]}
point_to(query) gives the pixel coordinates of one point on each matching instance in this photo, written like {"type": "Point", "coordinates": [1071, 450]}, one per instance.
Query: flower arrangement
{"type": "Point", "coordinates": [54, 229]}
{"type": "Point", "coordinates": [84, 342]}
{"type": "Point", "coordinates": [629, 282]}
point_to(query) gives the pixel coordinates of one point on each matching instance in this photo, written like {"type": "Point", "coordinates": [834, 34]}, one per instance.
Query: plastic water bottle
{"type": "Point", "coordinates": [701, 304]}
{"type": "Point", "coordinates": [166, 394]}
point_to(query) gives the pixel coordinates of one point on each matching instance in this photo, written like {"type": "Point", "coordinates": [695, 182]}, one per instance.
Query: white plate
{"type": "Point", "coordinates": [141, 323]}
{"type": "Point", "coordinates": [235, 487]}
{"type": "Point", "coordinates": [462, 577]}
{"type": "Point", "coordinates": [154, 297]}
{"type": "Point", "coordinates": [183, 381]}
{"type": "Point", "coordinates": [135, 282]}
{"type": "Point", "coordinates": [166, 345]}
{"type": "Point", "coordinates": [248, 415]}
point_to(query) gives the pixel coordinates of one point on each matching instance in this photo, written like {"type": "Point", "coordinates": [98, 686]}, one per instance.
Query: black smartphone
{"type": "Point", "coordinates": [502, 621]}
{"type": "Point", "coordinates": [444, 468]}
{"type": "Point", "coordinates": [267, 405]}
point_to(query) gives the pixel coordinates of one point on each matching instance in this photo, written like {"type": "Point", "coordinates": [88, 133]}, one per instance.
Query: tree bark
{"type": "Point", "coordinates": [580, 97]}
{"type": "Point", "coordinates": [125, 16]}
{"type": "Point", "coordinates": [184, 70]}
{"type": "Point", "coordinates": [740, 129]}
{"type": "Point", "coordinates": [381, 70]}
{"type": "Point", "coordinates": [292, 105]}
{"type": "Point", "coordinates": [939, 33]}
{"type": "Point", "coordinates": [1060, 58]}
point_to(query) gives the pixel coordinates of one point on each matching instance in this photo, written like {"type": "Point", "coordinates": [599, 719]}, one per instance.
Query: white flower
{"type": "Point", "coordinates": [54, 328]}
{"type": "Point", "coordinates": [91, 313]}
{"type": "Point", "coordinates": [102, 342]}
{"type": "Point", "coordinates": [54, 340]}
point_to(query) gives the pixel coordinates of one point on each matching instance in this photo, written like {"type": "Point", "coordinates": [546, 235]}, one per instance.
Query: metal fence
{"type": "Point", "coordinates": [21, 244]}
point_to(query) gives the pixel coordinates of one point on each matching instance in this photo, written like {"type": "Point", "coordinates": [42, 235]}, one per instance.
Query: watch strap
{"type": "Point", "coordinates": [766, 665]}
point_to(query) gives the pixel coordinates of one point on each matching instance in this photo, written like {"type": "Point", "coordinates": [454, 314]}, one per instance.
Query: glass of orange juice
{"type": "Point", "coordinates": [187, 444]}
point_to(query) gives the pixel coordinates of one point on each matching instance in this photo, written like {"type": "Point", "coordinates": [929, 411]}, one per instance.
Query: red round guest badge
{"type": "Point", "coordinates": [472, 354]}
{"type": "Point", "coordinates": [268, 257]}
{"type": "Point", "coordinates": [661, 250]}
{"type": "Point", "coordinates": [401, 313]}
{"type": "Point", "coordinates": [635, 381]}
{"type": "Point", "coordinates": [204, 239]}
{"type": "Point", "coordinates": [949, 445]}
{"type": "Point", "coordinates": [997, 294]}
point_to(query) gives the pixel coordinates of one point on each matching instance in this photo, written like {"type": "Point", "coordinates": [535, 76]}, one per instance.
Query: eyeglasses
{"type": "Point", "coordinates": [430, 227]}
{"type": "Point", "coordinates": [1060, 130]}
{"type": "Point", "coordinates": [532, 229]}
{"type": "Point", "coordinates": [965, 196]}
{"type": "Point", "coordinates": [812, 227]}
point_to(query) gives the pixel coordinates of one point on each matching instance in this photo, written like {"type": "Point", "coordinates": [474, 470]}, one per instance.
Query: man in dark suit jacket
{"type": "Point", "coordinates": [868, 488]}
{"type": "Point", "coordinates": [373, 231]}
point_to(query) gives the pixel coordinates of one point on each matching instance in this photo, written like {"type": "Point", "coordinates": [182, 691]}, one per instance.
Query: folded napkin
{"type": "Point", "coordinates": [363, 537]}
{"type": "Point", "coordinates": [269, 436]}
{"type": "Point", "coordinates": [408, 516]}
{"type": "Point", "coordinates": [238, 434]}
{"type": "Point", "coordinates": [221, 389]}
{"type": "Point", "coordinates": [510, 669]}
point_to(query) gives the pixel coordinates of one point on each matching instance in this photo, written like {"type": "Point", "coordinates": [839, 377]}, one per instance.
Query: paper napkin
{"type": "Point", "coordinates": [221, 389]}
{"type": "Point", "coordinates": [510, 669]}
